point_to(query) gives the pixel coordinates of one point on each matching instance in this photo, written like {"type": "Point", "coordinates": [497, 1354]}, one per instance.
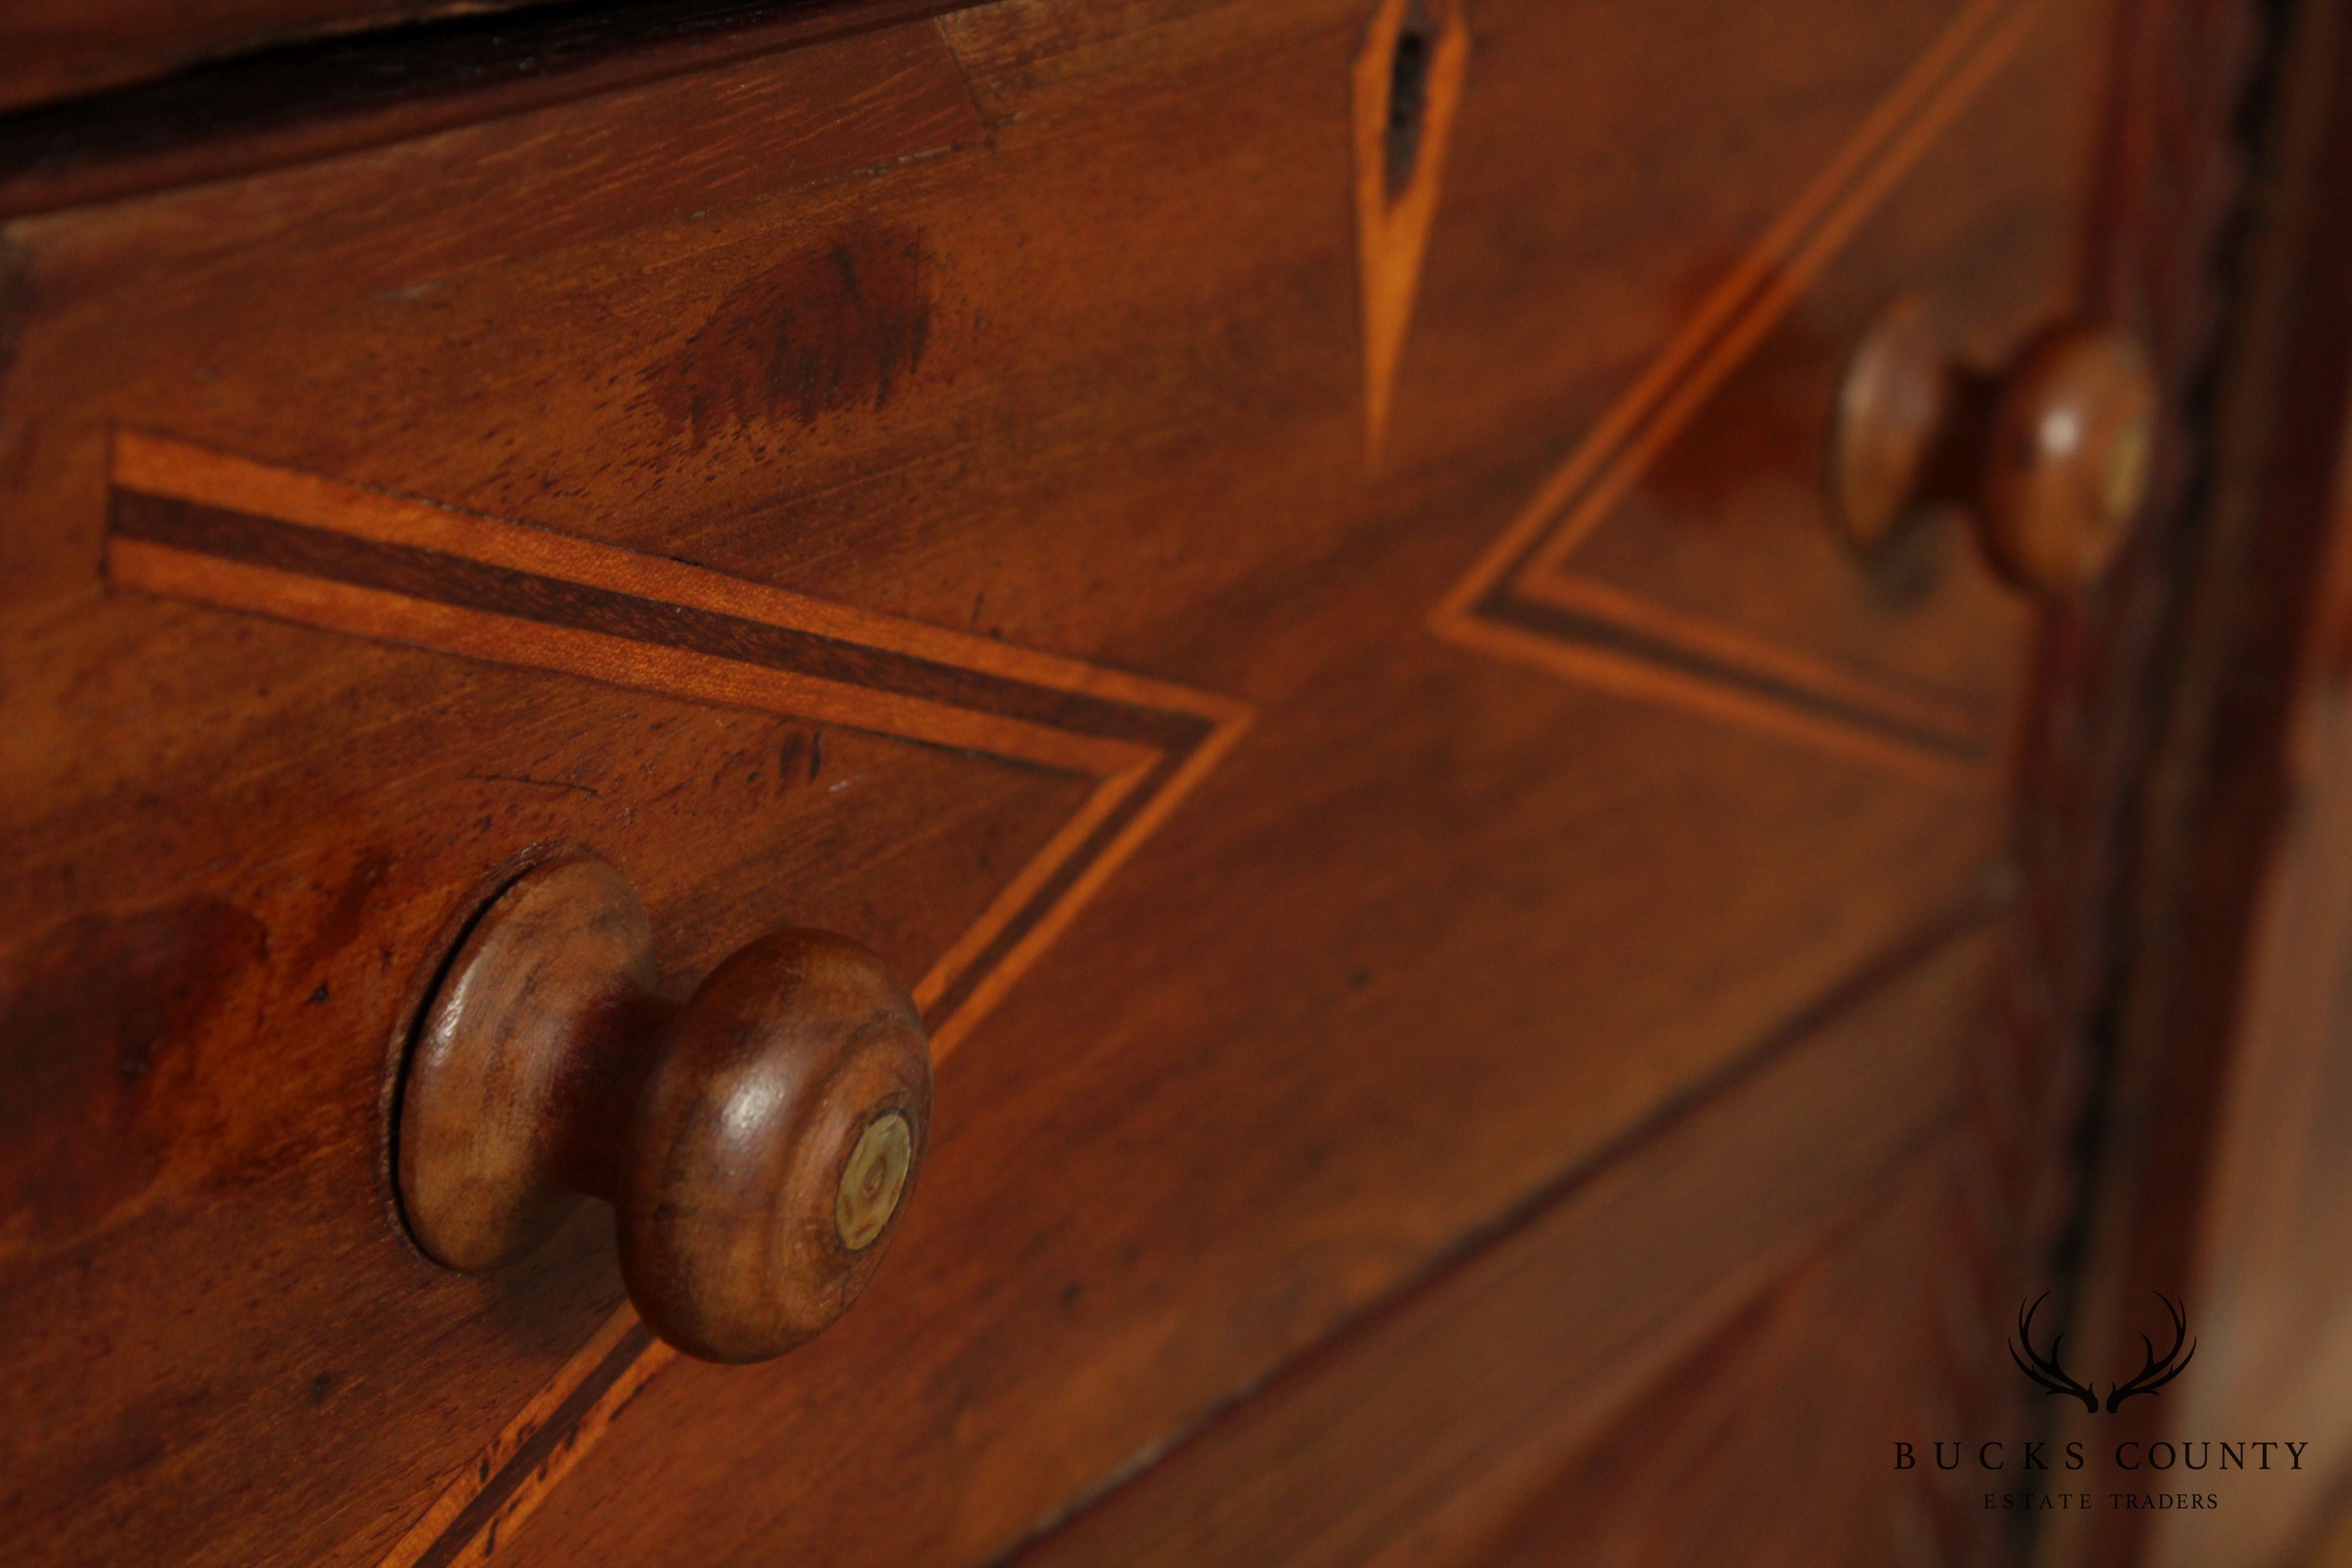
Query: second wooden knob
{"type": "Point", "coordinates": [2050, 455]}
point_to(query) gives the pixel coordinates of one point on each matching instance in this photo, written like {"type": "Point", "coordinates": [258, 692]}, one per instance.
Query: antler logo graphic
{"type": "Point", "coordinates": [2046, 1369]}
{"type": "Point", "coordinates": [2052, 1374]}
{"type": "Point", "coordinates": [2157, 1373]}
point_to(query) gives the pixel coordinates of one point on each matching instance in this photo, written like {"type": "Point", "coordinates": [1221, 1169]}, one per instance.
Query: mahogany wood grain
{"type": "Point", "coordinates": [1770, 1448]}
{"type": "Point", "coordinates": [913, 485]}
{"type": "Point", "coordinates": [1009, 1478]}
{"type": "Point", "coordinates": [1421, 1433]}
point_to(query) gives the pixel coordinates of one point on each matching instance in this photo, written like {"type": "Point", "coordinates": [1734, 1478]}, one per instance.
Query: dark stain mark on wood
{"type": "Point", "coordinates": [1764, 426]}
{"type": "Point", "coordinates": [345, 918]}
{"type": "Point", "coordinates": [829, 329]}
{"type": "Point", "coordinates": [100, 1048]}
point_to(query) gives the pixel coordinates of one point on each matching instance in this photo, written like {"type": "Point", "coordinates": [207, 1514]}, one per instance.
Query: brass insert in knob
{"type": "Point", "coordinates": [757, 1143]}
{"type": "Point", "coordinates": [2050, 455]}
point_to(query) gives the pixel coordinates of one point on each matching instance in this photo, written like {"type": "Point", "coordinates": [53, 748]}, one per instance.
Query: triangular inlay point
{"type": "Point", "coordinates": [1408, 82]}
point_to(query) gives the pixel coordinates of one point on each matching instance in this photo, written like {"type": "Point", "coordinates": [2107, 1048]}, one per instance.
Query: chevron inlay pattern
{"type": "Point", "coordinates": [193, 523]}
{"type": "Point", "coordinates": [1524, 600]}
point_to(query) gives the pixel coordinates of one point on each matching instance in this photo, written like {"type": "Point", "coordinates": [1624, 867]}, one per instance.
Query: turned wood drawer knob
{"type": "Point", "coordinates": [757, 1143]}
{"type": "Point", "coordinates": [2050, 455]}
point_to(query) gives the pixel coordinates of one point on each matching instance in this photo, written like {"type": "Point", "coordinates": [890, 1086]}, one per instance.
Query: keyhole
{"type": "Point", "coordinates": [1408, 100]}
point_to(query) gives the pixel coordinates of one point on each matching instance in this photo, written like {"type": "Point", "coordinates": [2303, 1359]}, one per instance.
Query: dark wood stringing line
{"type": "Point", "coordinates": [561, 1425]}
{"type": "Point", "coordinates": [1049, 894]}
{"type": "Point", "coordinates": [439, 578]}
{"type": "Point", "coordinates": [1568, 626]}
{"type": "Point", "coordinates": [1502, 603]}
{"type": "Point", "coordinates": [1911, 951]}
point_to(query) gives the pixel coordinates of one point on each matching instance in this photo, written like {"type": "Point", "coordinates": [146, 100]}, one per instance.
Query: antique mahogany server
{"type": "Point", "coordinates": [1181, 782]}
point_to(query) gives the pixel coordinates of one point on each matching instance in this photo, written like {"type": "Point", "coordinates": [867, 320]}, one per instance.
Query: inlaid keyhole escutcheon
{"type": "Point", "coordinates": [1408, 111]}
{"type": "Point", "coordinates": [757, 1143]}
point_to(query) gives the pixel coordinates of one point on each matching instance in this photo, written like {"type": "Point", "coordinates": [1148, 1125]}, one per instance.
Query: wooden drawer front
{"type": "Point", "coordinates": [920, 485]}
{"type": "Point", "coordinates": [1526, 1405]}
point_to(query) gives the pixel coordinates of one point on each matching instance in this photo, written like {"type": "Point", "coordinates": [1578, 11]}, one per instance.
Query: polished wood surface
{"type": "Point", "coordinates": [1271, 558]}
{"type": "Point", "coordinates": [1465, 1409]}
{"type": "Point", "coordinates": [2067, 458]}
{"type": "Point", "coordinates": [755, 1142]}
